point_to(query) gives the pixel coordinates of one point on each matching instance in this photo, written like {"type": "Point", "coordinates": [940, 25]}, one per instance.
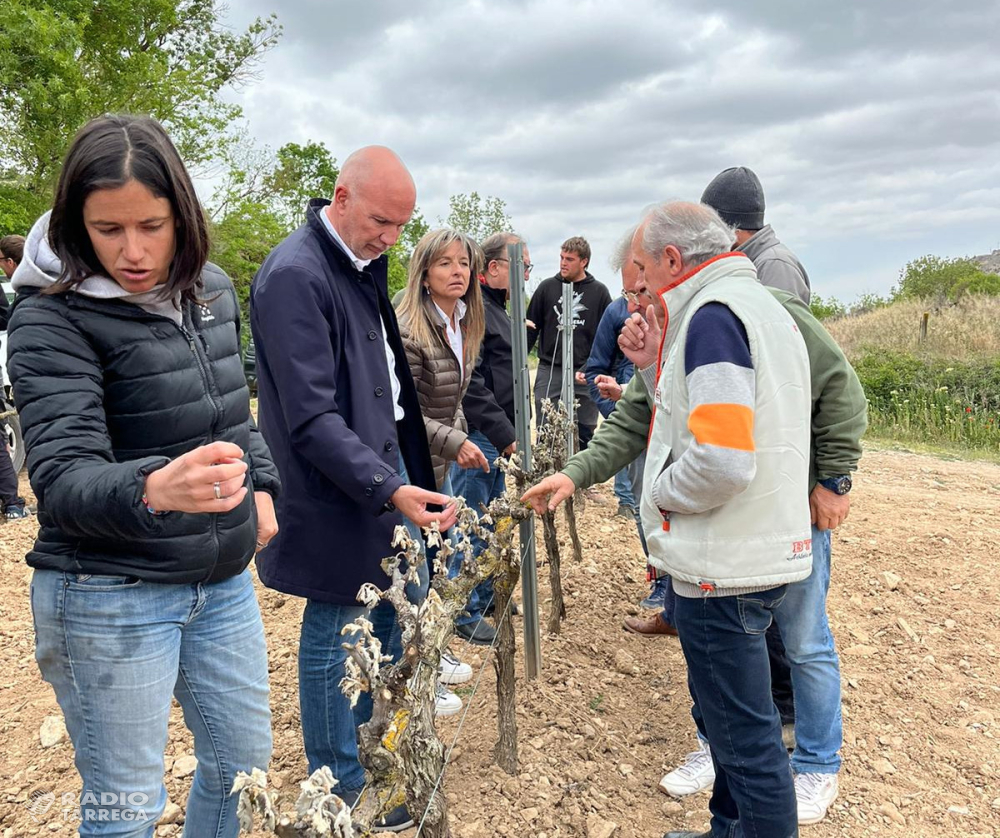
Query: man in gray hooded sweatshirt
{"type": "Point", "coordinates": [737, 196]}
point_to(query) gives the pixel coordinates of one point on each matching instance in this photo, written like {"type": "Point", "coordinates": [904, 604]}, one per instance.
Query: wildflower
{"type": "Point", "coordinates": [968, 410]}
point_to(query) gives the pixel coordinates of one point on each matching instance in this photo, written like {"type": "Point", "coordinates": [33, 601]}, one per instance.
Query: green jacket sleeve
{"type": "Point", "coordinates": [618, 441]}
{"type": "Point", "coordinates": [840, 409]}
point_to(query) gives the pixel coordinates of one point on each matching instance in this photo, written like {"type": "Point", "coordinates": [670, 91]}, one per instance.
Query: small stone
{"type": "Point", "coordinates": [995, 804]}
{"type": "Point", "coordinates": [883, 766]}
{"type": "Point", "coordinates": [184, 766]}
{"type": "Point", "coordinates": [529, 814]}
{"type": "Point", "coordinates": [861, 651]}
{"type": "Point", "coordinates": [597, 827]}
{"type": "Point", "coordinates": [172, 813]}
{"type": "Point", "coordinates": [892, 580]}
{"type": "Point", "coordinates": [672, 807]}
{"type": "Point", "coordinates": [625, 769]}
{"type": "Point", "coordinates": [950, 624]}
{"type": "Point", "coordinates": [892, 813]}
{"type": "Point", "coordinates": [624, 662]}
{"type": "Point", "coordinates": [52, 731]}
{"type": "Point", "coordinates": [958, 810]}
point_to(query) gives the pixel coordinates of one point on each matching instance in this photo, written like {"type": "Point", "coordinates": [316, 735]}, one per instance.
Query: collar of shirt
{"type": "Point", "coordinates": [460, 309]}
{"type": "Point", "coordinates": [360, 264]}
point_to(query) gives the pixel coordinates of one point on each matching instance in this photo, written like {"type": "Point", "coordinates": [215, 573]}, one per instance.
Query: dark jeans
{"type": "Point", "coordinates": [781, 676]}
{"type": "Point", "coordinates": [8, 480]}
{"type": "Point", "coordinates": [729, 678]}
{"type": "Point", "coordinates": [781, 672]}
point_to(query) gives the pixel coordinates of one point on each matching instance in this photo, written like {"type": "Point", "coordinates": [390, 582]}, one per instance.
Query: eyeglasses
{"type": "Point", "coordinates": [527, 265]}
{"type": "Point", "coordinates": [631, 296]}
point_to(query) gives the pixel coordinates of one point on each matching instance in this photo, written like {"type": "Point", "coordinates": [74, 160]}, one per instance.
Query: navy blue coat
{"type": "Point", "coordinates": [326, 411]}
{"type": "Point", "coordinates": [605, 356]}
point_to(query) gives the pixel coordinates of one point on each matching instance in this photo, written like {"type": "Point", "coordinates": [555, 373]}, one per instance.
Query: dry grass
{"type": "Point", "coordinates": [966, 331]}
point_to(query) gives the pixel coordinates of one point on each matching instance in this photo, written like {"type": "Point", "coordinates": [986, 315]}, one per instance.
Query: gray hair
{"type": "Point", "coordinates": [694, 229]}
{"type": "Point", "coordinates": [495, 246]}
{"type": "Point", "coordinates": [622, 249]}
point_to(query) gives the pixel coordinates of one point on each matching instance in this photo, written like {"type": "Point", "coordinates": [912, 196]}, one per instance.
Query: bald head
{"type": "Point", "coordinates": [373, 199]}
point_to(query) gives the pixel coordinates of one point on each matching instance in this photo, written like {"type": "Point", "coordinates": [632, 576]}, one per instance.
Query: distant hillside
{"type": "Point", "coordinates": [967, 330]}
{"type": "Point", "coordinates": [989, 263]}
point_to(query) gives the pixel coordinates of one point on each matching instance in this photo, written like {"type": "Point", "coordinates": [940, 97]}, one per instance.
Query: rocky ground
{"type": "Point", "coordinates": [914, 603]}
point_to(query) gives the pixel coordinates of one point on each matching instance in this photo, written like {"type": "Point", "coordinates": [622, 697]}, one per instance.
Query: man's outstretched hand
{"type": "Point", "coordinates": [549, 493]}
{"type": "Point", "coordinates": [413, 501]}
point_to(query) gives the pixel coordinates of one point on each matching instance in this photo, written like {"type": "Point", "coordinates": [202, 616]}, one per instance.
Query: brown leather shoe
{"type": "Point", "coordinates": [649, 626]}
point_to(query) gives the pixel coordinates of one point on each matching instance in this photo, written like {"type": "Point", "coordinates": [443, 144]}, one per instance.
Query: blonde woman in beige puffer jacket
{"type": "Point", "coordinates": [441, 320]}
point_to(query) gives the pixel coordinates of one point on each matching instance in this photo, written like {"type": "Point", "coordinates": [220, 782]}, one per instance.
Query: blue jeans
{"type": "Point", "coordinates": [329, 723]}
{"type": "Point", "coordinates": [623, 488]}
{"type": "Point", "coordinates": [116, 649]}
{"type": "Point", "coordinates": [812, 656]}
{"type": "Point", "coordinates": [726, 653]}
{"type": "Point", "coordinates": [478, 488]}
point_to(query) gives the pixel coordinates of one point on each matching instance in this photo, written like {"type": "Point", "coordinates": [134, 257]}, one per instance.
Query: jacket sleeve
{"type": "Point", "coordinates": [292, 318]}
{"type": "Point", "coordinates": [601, 361]}
{"type": "Point", "coordinates": [840, 409]}
{"type": "Point", "coordinates": [443, 440]}
{"type": "Point", "coordinates": [618, 441]}
{"type": "Point", "coordinates": [4, 310]}
{"type": "Point", "coordinates": [484, 413]}
{"type": "Point", "coordinates": [263, 471]}
{"type": "Point", "coordinates": [59, 391]}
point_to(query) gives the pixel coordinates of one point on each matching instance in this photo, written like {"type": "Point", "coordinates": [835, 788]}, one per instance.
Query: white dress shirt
{"type": "Point", "coordinates": [454, 334]}
{"type": "Point", "coordinates": [390, 358]}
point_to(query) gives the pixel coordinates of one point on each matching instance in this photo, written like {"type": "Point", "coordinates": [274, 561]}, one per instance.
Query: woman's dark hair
{"type": "Point", "coordinates": [107, 153]}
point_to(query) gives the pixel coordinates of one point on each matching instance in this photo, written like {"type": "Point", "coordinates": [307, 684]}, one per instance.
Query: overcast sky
{"type": "Point", "coordinates": [874, 127]}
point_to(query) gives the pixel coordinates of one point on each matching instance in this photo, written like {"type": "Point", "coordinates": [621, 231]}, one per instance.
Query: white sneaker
{"type": "Point", "coordinates": [814, 794]}
{"type": "Point", "coordinates": [448, 704]}
{"type": "Point", "coordinates": [695, 774]}
{"type": "Point", "coordinates": [452, 670]}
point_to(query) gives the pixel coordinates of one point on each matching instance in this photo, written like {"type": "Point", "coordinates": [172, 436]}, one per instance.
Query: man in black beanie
{"type": "Point", "coordinates": [737, 196]}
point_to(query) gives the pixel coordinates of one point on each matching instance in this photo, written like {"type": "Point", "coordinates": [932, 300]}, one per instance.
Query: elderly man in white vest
{"type": "Point", "coordinates": [725, 493]}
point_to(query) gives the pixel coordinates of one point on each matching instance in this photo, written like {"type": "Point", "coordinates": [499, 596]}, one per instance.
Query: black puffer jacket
{"type": "Point", "coordinates": [108, 392]}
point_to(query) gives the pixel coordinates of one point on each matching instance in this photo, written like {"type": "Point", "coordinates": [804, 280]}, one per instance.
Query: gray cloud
{"type": "Point", "coordinates": [875, 130]}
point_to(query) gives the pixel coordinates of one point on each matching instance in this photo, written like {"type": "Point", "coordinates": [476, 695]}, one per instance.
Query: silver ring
{"type": "Point", "coordinates": [218, 490]}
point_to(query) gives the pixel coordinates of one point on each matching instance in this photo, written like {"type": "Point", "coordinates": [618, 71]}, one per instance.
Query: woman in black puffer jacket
{"type": "Point", "coordinates": [153, 484]}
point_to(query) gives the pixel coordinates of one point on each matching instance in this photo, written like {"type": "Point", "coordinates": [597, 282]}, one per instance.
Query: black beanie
{"type": "Point", "coordinates": [737, 196]}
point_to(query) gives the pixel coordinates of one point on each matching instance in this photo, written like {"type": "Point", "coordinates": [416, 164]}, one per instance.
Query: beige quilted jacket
{"type": "Point", "coordinates": [440, 388]}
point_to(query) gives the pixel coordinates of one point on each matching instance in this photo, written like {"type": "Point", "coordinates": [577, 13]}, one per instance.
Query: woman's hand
{"type": "Point", "coordinates": [210, 478]}
{"type": "Point", "coordinates": [469, 456]}
{"type": "Point", "coordinates": [267, 522]}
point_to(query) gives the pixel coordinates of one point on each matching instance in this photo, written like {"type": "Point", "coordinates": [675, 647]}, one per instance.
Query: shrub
{"type": "Point", "coordinates": [947, 279]}
{"type": "Point", "coordinates": [935, 401]}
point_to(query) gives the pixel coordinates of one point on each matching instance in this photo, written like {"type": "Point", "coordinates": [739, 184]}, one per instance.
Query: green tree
{"type": "Point", "coordinates": [19, 207]}
{"type": "Point", "coordinates": [63, 62]}
{"type": "Point", "coordinates": [302, 172]}
{"type": "Point", "coordinates": [477, 217]}
{"type": "Point", "coordinates": [261, 200]}
{"type": "Point", "coordinates": [933, 276]}
{"type": "Point", "coordinates": [826, 308]}
{"type": "Point", "coordinates": [402, 250]}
